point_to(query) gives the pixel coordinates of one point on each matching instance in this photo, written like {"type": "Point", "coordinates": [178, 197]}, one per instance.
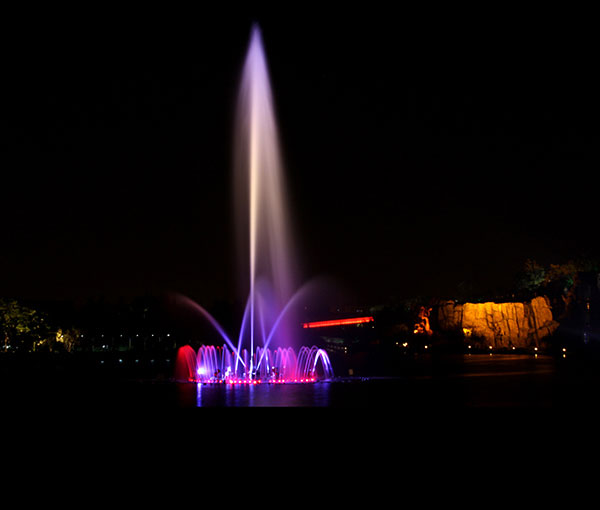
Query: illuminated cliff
{"type": "Point", "coordinates": [500, 325]}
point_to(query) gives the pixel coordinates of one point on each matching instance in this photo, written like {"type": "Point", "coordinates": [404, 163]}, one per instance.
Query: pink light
{"type": "Point", "coordinates": [337, 322]}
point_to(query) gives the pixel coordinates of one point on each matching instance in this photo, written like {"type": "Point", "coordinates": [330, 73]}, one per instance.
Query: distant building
{"type": "Point", "coordinates": [339, 334]}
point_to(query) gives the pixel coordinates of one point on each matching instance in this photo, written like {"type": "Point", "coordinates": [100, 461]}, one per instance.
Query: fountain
{"type": "Point", "coordinates": [265, 246]}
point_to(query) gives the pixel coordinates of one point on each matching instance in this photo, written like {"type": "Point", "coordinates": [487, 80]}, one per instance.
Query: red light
{"type": "Point", "coordinates": [337, 322]}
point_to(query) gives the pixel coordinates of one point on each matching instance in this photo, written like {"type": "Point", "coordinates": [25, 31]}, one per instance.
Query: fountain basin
{"type": "Point", "coordinates": [219, 365]}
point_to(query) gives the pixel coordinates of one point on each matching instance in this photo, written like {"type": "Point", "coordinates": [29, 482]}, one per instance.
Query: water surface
{"type": "Point", "coordinates": [447, 382]}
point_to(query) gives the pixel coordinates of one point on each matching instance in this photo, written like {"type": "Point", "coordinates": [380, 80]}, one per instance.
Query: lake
{"type": "Point", "coordinates": [457, 381]}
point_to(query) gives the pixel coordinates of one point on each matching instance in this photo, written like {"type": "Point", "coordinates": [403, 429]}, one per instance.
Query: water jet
{"type": "Point", "coordinates": [265, 243]}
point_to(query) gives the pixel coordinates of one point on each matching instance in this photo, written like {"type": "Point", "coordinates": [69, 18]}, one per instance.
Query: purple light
{"type": "Point", "coordinates": [265, 239]}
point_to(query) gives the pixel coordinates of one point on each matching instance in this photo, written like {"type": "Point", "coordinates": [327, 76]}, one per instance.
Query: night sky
{"type": "Point", "coordinates": [422, 151]}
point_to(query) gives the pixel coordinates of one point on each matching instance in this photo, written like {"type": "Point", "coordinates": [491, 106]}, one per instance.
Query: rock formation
{"type": "Point", "coordinates": [422, 326]}
{"type": "Point", "coordinates": [500, 325]}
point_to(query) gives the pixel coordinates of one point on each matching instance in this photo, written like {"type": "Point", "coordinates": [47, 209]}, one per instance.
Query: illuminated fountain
{"type": "Point", "coordinates": [265, 246]}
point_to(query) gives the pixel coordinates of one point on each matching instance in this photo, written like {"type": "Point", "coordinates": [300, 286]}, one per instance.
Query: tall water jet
{"type": "Point", "coordinates": [261, 204]}
{"type": "Point", "coordinates": [264, 247]}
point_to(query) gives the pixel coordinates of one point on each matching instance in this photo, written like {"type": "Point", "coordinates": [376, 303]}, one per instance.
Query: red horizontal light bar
{"type": "Point", "coordinates": [337, 322]}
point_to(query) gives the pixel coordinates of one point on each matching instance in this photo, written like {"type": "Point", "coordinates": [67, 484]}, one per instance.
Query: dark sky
{"type": "Point", "coordinates": [422, 150]}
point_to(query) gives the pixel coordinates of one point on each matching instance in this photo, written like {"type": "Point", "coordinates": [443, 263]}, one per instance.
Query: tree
{"type": "Point", "coordinates": [558, 281]}
{"type": "Point", "coordinates": [532, 277]}
{"type": "Point", "coordinates": [66, 339]}
{"type": "Point", "coordinates": [21, 325]}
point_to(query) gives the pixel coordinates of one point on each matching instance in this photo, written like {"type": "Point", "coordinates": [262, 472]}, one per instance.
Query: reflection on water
{"type": "Point", "coordinates": [447, 382]}
{"type": "Point", "coordinates": [450, 382]}
{"type": "Point", "coordinates": [263, 395]}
